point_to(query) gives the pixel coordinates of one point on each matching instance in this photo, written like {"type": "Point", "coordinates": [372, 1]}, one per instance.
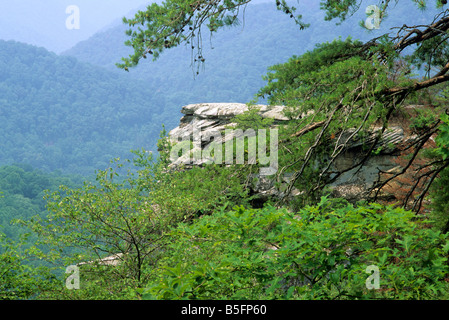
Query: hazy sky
{"type": "Point", "coordinates": [43, 22]}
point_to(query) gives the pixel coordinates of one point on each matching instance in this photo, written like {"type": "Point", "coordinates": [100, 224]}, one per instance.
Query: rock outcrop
{"type": "Point", "coordinates": [204, 124]}
{"type": "Point", "coordinates": [352, 184]}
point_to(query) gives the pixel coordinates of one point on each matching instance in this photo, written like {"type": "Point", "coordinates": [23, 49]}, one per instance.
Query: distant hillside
{"type": "Point", "coordinates": [233, 69]}
{"type": "Point", "coordinates": [61, 114]}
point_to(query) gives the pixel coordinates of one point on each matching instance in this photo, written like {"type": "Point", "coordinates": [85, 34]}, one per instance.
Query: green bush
{"type": "Point", "coordinates": [320, 252]}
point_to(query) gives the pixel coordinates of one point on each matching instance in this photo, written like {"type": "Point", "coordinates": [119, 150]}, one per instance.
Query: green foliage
{"type": "Point", "coordinates": [172, 23]}
{"type": "Point", "coordinates": [251, 119]}
{"type": "Point", "coordinates": [333, 94]}
{"type": "Point", "coordinates": [442, 139]}
{"type": "Point", "coordinates": [127, 218]}
{"type": "Point", "coordinates": [232, 66]}
{"type": "Point", "coordinates": [289, 76]}
{"type": "Point", "coordinates": [23, 190]}
{"type": "Point", "coordinates": [192, 234]}
{"type": "Point", "coordinates": [320, 252]}
{"type": "Point", "coordinates": [431, 51]}
{"type": "Point", "coordinates": [12, 272]}
{"type": "Point", "coordinates": [18, 279]}
{"type": "Point", "coordinates": [23, 272]}
{"type": "Point", "coordinates": [440, 188]}
{"type": "Point", "coordinates": [440, 201]}
{"type": "Point", "coordinates": [423, 119]}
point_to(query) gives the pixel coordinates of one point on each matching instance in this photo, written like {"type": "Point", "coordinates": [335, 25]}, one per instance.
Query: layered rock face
{"type": "Point", "coordinates": [202, 124]}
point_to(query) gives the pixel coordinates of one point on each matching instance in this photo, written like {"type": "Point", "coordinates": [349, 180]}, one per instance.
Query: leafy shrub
{"type": "Point", "coordinates": [320, 252]}
{"type": "Point", "coordinates": [439, 190]}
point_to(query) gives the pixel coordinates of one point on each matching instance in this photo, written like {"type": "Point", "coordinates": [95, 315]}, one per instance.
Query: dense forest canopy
{"type": "Point", "coordinates": [22, 194]}
{"type": "Point", "coordinates": [61, 114]}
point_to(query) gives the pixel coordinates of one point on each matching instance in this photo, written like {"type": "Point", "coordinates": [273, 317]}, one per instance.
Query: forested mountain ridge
{"type": "Point", "coordinates": [237, 59]}
{"type": "Point", "coordinates": [61, 114]}
{"type": "Point", "coordinates": [264, 37]}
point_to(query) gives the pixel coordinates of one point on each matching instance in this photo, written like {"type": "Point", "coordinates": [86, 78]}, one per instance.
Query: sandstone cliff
{"type": "Point", "coordinates": [352, 184]}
